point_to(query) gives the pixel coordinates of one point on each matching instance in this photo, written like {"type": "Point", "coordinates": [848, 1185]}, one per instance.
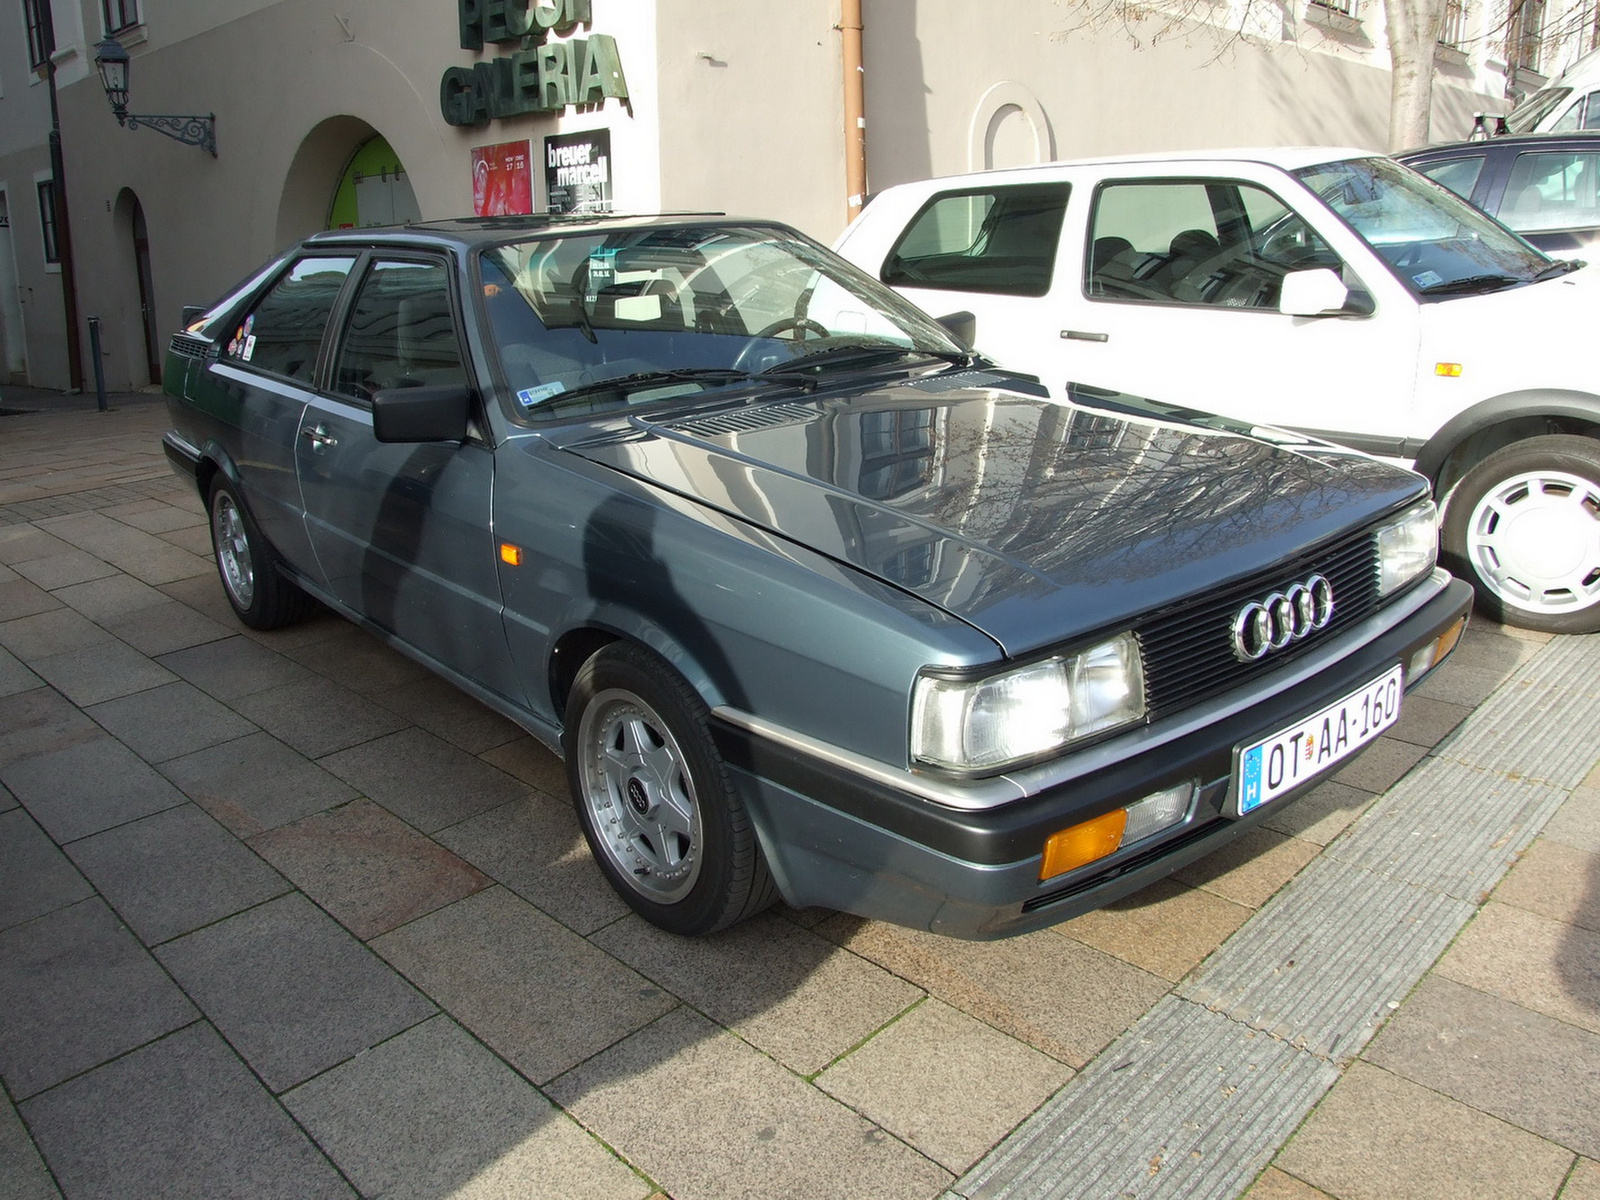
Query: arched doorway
{"type": "Point", "coordinates": [374, 189]}
{"type": "Point", "coordinates": [144, 340]}
{"type": "Point", "coordinates": [321, 190]}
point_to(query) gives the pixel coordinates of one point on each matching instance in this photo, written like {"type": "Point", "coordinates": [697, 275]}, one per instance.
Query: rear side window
{"type": "Point", "coordinates": [282, 333]}
{"type": "Point", "coordinates": [999, 240]}
{"type": "Point", "coordinates": [1550, 190]}
{"type": "Point", "coordinates": [1460, 175]}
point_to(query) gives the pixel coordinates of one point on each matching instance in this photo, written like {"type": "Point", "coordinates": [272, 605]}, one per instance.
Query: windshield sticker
{"type": "Point", "coordinates": [1427, 279]}
{"type": "Point", "coordinates": [528, 397]}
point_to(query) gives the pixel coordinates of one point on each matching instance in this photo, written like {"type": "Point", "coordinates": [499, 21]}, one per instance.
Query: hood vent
{"type": "Point", "coordinates": [744, 420]}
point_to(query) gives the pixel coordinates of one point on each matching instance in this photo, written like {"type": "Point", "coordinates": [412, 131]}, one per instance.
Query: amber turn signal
{"type": "Point", "coordinates": [1069, 849]}
{"type": "Point", "coordinates": [510, 555]}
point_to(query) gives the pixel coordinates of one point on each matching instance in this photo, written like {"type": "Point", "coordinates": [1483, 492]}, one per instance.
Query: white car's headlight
{"type": "Point", "coordinates": [1408, 547]}
{"type": "Point", "coordinates": [985, 724]}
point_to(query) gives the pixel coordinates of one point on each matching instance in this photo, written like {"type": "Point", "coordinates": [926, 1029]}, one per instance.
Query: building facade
{"type": "Point", "coordinates": [354, 112]}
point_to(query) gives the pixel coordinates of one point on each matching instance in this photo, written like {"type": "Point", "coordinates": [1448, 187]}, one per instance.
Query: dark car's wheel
{"type": "Point", "coordinates": [1523, 527]}
{"type": "Point", "coordinates": [660, 814]}
{"type": "Point", "coordinates": [260, 596]}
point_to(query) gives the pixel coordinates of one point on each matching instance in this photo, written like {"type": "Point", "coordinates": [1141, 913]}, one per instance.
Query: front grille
{"type": "Point", "coordinates": [188, 347]}
{"type": "Point", "coordinates": [1188, 648]}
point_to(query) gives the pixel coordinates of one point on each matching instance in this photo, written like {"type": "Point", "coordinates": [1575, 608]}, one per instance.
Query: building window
{"type": "Point", "coordinates": [1525, 34]}
{"type": "Point", "coordinates": [119, 14]}
{"type": "Point", "coordinates": [1345, 8]}
{"type": "Point", "coordinates": [1453, 29]}
{"type": "Point", "coordinates": [47, 220]}
{"type": "Point", "coordinates": [41, 31]}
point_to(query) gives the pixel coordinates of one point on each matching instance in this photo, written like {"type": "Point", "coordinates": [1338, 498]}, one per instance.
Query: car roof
{"type": "Point", "coordinates": [460, 232]}
{"type": "Point", "coordinates": [1506, 143]}
{"type": "Point", "coordinates": [1288, 158]}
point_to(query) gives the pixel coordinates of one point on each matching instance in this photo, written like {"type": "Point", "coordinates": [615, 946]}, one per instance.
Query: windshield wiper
{"type": "Point", "coordinates": [855, 352]}
{"type": "Point", "coordinates": [1473, 283]}
{"type": "Point", "coordinates": [639, 380]}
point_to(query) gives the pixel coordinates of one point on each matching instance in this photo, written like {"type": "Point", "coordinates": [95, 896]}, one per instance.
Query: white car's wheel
{"type": "Point", "coordinates": [1523, 527]}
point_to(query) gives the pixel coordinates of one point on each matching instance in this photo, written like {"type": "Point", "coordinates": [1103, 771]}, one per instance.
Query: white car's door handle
{"type": "Point", "coordinates": [1082, 335]}
{"type": "Point", "coordinates": [319, 437]}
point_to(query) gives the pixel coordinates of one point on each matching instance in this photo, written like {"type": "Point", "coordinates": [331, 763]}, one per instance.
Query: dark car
{"type": "Point", "coordinates": [1545, 186]}
{"type": "Point", "coordinates": [813, 603]}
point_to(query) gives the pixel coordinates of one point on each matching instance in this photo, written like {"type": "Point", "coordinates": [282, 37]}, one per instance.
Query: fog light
{"type": "Point", "coordinates": [1071, 848]}
{"type": "Point", "coordinates": [1161, 810]}
{"type": "Point", "coordinates": [1434, 653]}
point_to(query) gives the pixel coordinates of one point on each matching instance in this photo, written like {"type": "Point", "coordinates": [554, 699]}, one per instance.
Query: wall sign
{"type": "Point", "coordinates": [541, 75]}
{"type": "Point", "coordinates": [577, 172]}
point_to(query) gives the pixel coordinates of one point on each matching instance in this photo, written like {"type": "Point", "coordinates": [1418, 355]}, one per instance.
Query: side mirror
{"type": "Point", "coordinates": [1315, 293]}
{"type": "Point", "coordinates": [438, 413]}
{"type": "Point", "coordinates": [963, 326]}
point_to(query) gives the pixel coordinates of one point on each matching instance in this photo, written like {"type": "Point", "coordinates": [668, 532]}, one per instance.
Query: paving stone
{"type": "Point", "coordinates": [233, 668]}
{"type": "Point", "coordinates": [204, 594]}
{"type": "Point", "coordinates": [358, 661]}
{"type": "Point", "coordinates": [196, 539]}
{"type": "Point", "coordinates": [256, 783]}
{"type": "Point", "coordinates": [65, 569]}
{"type": "Point", "coordinates": [165, 627]}
{"type": "Point", "coordinates": [173, 872]}
{"type": "Point", "coordinates": [1537, 1073]}
{"type": "Point", "coordinates": [1250, 869]}
{"type": "Point", "coordinates": [116, 595]}
{"type": "Point", "coordinates": [945, 1083]}
{"type": "Point", "coordinates": [7, 800]}
{"type": "Point", "coordinates": [292, 991]}
{"type": "Point", "coordinates": [535, 847]}
{"type": "Point", "coordinates": [541, 997]}
{"type": "Point", "coordinates": [788, 992]}
{"type": "Point", "coordinates": [1057, 995]}
{"type": "Point", "coordinates": [39, 721]}
{"type": "Point", "coordinates": [447, 712]}
{"type": "Point", "coordinates": [1381, 765]}
{"type": "Point", "coordinates": [169, 721]}
{"type": "Point", "coordinates": [1545, 965]}
{"type": "Point", "coordinates": [1353, 1147]}
{"type": "Point", "coordinates": [1584, 1182]}
{"type": "Point", "coordinates": [738, 1123]}
{"type": "Point", "coordinates": [1322, 814]}
{"type": "Point", "coordinates": [1275, 1185]}
{"type": "Point", "coordinates": [101, 672]}
{"type": "Point", "coordinates": [88, 787]}
{"type": "Point", "coordinates": [1577, 823]}
{"type": "Point", "coordinates": [1555, 881]}
{"type": "Point", "coordinates": [531, 761]}
{"type": "Point", "coordinates": [1166, 928]}
{"type": "Point", "coordinates": [317, 716]}
{"type": "Point", "coordinates": [158, 517]}
{"type": "Point", "coordinates": [432, 1113]}
{"type": "Point", "coordinates": [179, 1118]}
{"type": "Point", "coordinates": [78, 989]}
{"type": "Point", "coordinates": [23, 1175]}
{"type": "Point", "coordinates": [14, 677]}
{"type": "Point", "coordinates": [423, 780]}
{"type": "Point", "coordinates": [140, 554]}
{"type": "Point", "coordinates": [23, 598]}
{"type": "Point", "coordinates": [367, 868]}
{"type": "Point", "coordinates": [51, 633]}
{"type": "Point", "coordinates": [1425, 721]}
{"type": "Point", "coordinates": [35, 876]}
{"type": "Point", "coordinates": [21, 543]}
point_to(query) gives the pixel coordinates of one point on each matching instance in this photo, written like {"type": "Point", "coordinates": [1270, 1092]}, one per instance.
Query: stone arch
{"type": "Point", "coordinates": [1009, 124]}
{"type": "Point", "coordinates": [318, 164]}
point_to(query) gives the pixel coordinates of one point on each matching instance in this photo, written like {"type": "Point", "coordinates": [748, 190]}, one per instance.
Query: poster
{"type": "Point", "coordinates": [502, 179]}
{"type": "Point", "coordinates": [577, 171]}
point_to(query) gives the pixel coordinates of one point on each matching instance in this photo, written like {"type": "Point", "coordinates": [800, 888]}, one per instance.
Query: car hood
{"type": "Point", "coordinates": [1035, 521]}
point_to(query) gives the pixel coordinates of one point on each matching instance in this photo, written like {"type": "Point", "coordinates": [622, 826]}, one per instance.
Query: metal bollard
{"type": "Point", "coordinates": [99, 369]}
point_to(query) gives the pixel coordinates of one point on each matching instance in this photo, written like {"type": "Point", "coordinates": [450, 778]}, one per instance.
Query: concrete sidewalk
{"type": "Point", "coordinates": [282, 915]}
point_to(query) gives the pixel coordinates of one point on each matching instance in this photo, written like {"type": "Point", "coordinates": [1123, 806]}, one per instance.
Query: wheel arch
{"type": "Point", "coordinates": [590, 632]}
{"type": "Point", "coordinates": [1471, 436]}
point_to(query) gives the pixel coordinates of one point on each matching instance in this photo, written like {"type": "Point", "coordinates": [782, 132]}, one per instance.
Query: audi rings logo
{"type": "Point", "coordinates": [1275, 621]}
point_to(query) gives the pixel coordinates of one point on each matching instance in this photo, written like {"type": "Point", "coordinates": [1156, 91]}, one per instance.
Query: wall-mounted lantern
{"type": "Point", "coordinates": [112, 60]}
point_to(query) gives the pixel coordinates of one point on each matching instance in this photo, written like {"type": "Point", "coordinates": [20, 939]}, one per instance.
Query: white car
{"type": "Point", "coordinates": [1332, 292]}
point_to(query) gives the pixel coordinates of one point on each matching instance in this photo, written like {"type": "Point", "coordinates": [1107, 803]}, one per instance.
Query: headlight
{"type": "Point", "coordinates": [1408, 548]}
{"type": "Point", "coordinates": [1034, 710]}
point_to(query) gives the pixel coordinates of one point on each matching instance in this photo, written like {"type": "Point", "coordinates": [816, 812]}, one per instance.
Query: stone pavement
{"type": "Point", "coordinates": [282, 915]}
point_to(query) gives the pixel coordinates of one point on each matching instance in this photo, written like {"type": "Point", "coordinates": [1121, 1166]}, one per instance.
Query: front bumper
{"type": "Point", "coordinates": [839, 838]}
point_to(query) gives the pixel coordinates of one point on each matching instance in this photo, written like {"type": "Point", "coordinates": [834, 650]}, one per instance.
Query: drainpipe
{"type": "Point", "coordinates": [855, 110]}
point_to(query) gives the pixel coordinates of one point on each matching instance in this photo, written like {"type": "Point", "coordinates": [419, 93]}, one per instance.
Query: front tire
{"type": "Point", "coordinates": [657, 807]}
{"type": "Point", "coordinates": [261, 597]}
{"type": "Point", "coordinates": [1523, 526]}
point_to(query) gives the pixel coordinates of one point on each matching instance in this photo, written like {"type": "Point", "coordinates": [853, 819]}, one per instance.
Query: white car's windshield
{"type": "Point", "coordinates": [1437, 243]}
{"type": "Point", "coordinates": [592, 320]}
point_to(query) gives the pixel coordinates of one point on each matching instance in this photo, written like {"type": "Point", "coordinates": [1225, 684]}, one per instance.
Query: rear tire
{"type": "Point", "coordinates": [261, 597]}
{"type": "Point", "coordinates": [1523, 527]}
{"type": "Point", "coordinates": [656, 803]}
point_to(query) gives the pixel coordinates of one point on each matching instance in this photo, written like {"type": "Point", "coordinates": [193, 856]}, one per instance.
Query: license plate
{"type": "Point", "coordinates": [1288, 758]}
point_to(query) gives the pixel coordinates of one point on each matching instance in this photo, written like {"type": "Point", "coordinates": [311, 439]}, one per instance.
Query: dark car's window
{"type": "Point", "coordinates": [1553, 191]}
{"type": "Point", "coordinates": [402, 331]}
{"type": "Point", "coordinates": [998, 240]}
{"type": "Point", "coordinates": [1460, 175]}
{"type": "Point", "coordinates": [1585, 114]}
{"type": "Point", "coordinates": [282, 332]}
{"type": "Point", "coordinates": [1535, 108]}
{"type": "Point", "coordinates": [1203, 242]}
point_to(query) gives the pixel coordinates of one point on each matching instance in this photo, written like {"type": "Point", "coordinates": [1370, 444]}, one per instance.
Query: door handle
{"type": "Point", "coordinates": [1080, 335]}
{"type": "Point", "coordinates": [319, 437]}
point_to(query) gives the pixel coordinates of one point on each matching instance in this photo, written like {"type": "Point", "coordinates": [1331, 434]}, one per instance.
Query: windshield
{"type": "Point", "coordinates": [1437, 243]}
{"type": "Point", "coordinates": [589, 321]}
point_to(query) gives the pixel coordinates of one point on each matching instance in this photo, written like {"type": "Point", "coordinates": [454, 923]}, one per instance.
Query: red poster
{"type": "Point", "coordinates": [502, 179]}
